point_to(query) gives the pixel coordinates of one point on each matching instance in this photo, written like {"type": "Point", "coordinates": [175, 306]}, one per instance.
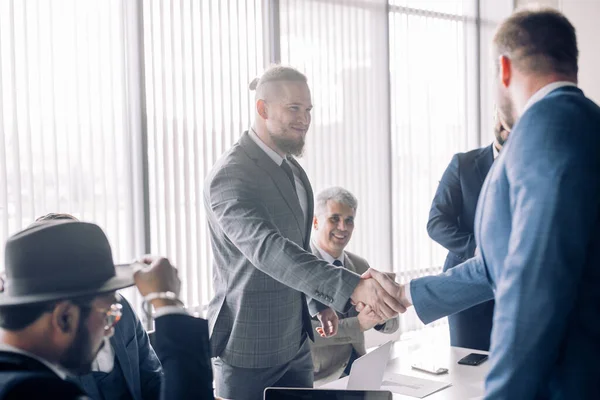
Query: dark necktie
{"type": "Point", "coordinates": [288, 171]}
{"type": "Point", "coordinates": [338, 263]}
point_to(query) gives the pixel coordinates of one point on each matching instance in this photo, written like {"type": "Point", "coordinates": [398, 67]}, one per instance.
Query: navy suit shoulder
{"type": "Point", "coordinates": [451, 224]}
{"type": "Point", "coordinates": [452, 213]}
{"type": "Point", "coordinates": [183, 347]}
{"type": "Point", "coordinates": [22, 377]}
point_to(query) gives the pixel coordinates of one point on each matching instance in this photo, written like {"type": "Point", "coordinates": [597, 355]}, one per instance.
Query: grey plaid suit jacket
{"type": "Point", "coordinates": [263, 267]}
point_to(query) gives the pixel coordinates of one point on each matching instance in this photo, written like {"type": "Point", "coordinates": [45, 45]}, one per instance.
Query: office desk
{"type": "Point", "coordinates": [467, 381]}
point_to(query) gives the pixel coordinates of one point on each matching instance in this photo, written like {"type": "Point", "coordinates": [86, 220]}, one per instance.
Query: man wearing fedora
{"type": "Point", "coordinates": [59, 308]}
{"type": "Point", "coordinates": [127, 366]}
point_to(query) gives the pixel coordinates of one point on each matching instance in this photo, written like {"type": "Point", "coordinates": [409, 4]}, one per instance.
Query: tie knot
{"type": "Point", "coordinates": [288, 171]}
{"type": "Point", "coordinates": [338, 263]}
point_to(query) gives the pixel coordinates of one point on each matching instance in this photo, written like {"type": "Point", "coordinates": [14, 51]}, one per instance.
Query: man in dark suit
{"type": "Point", "coordinates": [59, 306]}
{"type": "Point", "coordinates": [451, 224]}
{"type": "Point", "coordinates": [127, 367]}
{"type": "Point", "coordinates": [259, 206]}
{"type": "Point", "coordinates": [537, 223]}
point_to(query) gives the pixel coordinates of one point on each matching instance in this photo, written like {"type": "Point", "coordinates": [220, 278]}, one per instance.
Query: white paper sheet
{"type": "Point", "coordinates": [411, 386]}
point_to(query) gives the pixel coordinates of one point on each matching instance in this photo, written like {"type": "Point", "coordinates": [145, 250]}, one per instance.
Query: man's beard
{"type": "Point", "coordinates": [288, 145]}
{"type": "Point", "coordinates": [498, 133]}
{"type": "Point", "coordinates": [506, 111]}
{"type": "Point", "coordinates": [79, 356]}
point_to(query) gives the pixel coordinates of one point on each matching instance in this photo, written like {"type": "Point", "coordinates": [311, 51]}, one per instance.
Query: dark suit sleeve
{"type": "Point", "coordinates": [552, 168]}
{"type": "Point", "coordinates": [150, 367]}
{"type": "Point", "coordinates": [443, 226]}
{"type": "Point", "coordinates": [182, 346]}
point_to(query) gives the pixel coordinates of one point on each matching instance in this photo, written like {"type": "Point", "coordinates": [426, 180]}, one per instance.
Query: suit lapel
{"type": "Point", "coordinates": [348, 264]}
{"type": "Point", "coordinates": [278, 176]}
{"type": "Point", "coordinates": [484, 162]}
{"type": "Point", "coordinates": [118, 344]}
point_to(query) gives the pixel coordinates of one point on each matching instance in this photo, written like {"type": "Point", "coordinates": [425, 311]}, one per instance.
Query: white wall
{"type": "Point", "coordinates": [584, 15]}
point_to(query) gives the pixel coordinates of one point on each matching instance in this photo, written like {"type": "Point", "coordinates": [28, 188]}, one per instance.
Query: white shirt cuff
{"type": "Point", "coordinates": [407, 292]}
{"type": "Point", "coordinates": [169, 310]}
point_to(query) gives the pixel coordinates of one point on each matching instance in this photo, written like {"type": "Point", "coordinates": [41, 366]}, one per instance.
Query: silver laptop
{"type": "Point", "coordinates": [366, 372]}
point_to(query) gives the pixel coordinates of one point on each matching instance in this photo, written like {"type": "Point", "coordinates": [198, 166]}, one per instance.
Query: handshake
{"type": "Point", "coordinates": [377, 298]}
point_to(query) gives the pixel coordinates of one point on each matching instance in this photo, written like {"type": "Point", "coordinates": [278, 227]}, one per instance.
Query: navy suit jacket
{"type": "Point", "coordinates": [140, 365]}
{"type": "Point", "coordinates": [181, 343]}
{"type": "Point", "coordinates": [538, 228]}
{"type": "Point", "coordinates": [451, 224]}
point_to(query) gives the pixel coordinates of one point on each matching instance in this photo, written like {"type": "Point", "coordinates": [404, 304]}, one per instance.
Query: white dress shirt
{"type": "Point", "coordinates": [537, 96]}
{"type": "Point", "coordinates": [543, 92]}
{"type": "Point", "coordinates": [277, 159]}
{"type": "Point", "coordinates": [327, 257]}
{"type": "Point", "coordinates": [105, 359]}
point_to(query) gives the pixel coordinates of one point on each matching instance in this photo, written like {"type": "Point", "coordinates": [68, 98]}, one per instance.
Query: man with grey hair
{"type": "Point", "coordinates": [259, 205]}
{"type": "Point", "coordinates": [333, 225]}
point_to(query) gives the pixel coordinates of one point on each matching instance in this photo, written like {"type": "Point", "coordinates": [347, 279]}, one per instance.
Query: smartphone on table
{"type": "Point", "coordinates": [473, 359]}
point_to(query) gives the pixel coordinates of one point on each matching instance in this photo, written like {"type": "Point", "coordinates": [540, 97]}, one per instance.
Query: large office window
{"type": "Point", "coordinates": [199, 59]}
{"type": "Point", "coordinates": [115, 110]}
{"type": "Point", "coordinates": [342, 48]}
{"type": "Point", "coordinates": [68, 130]}
{"type": "Point", "coordinates": [433, 93]}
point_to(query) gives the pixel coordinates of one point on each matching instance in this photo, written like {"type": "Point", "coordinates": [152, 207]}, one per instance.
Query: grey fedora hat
{"type": "Point", "coordinates": [60, 260]}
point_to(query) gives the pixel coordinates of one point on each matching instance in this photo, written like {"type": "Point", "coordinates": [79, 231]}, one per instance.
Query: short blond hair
{"type": "Point", "coordinates": [539, 40]}
{"type": "Point", "coordinates": [274, 74]}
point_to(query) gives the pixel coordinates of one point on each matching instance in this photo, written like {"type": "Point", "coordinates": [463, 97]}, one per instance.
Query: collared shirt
{"type": "Point", "coordinates": [105, 359]}
{"type": "Point", "coordinates": [327, 257]}
{"type": "Point", "coordinates": [277, 159]}
{"type": "Point", "coordinates": [57, 369]}
{"type": "Point", "coordinates": [495, 150]}
{"type": "Point", "coordinates": [543, 92]}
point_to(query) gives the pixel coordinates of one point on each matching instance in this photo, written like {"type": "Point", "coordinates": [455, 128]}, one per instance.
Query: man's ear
{"type": "Point", "coordinates": [505, 70]}
{"type": "Point", "coordinates": [262, 109]}
{"type": "Point", "coordinates": [315, 223]}
{"type": "Point", "coordinates": [65, 318]}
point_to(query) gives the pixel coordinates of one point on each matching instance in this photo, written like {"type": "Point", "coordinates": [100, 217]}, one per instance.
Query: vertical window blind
{"type": "Point", "coordinates": [67, 139]}
{"type": "Point", "coordinates": [429, 98]}
{"type": "Point", "coordinates": [199, 59]}
{"type": "Point", "coordinates": [342, 48]}
{"type": "Point", "coordinates": [119, 125]}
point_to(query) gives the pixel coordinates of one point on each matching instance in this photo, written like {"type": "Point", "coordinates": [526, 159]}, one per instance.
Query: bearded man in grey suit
{"type": "Point", "coordinates": [259, 204]}
{"type": "Point", "coordinates": [333, 225]}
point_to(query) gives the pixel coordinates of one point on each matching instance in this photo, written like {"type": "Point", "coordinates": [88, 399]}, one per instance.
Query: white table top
{"type": "Point", "coordinates": [467, 381]}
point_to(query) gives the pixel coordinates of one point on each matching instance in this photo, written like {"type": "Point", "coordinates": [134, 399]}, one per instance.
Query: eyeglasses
{"type": "Point", "coordinates": [112, 314]}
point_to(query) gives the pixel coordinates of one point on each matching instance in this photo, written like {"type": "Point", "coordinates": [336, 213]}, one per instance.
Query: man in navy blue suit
{"type": "Point", "coordinates": [451, 224]}
{"type": "Point", "coordinates": [59, 306]}
{"type": "Point", "coordinates": [128, 366]}
{"type": "Point", "coordinates": [537, 224]}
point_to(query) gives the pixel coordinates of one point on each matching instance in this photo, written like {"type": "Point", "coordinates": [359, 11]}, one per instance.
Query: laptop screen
{"type": "Point", "coordinates": [325, 394]}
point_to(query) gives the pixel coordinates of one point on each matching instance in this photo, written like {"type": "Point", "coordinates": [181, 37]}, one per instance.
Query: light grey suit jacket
{"type": "Point", "coordinates": [262, 266]}
{"type": "Point", "coordinates": [331, 355]}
